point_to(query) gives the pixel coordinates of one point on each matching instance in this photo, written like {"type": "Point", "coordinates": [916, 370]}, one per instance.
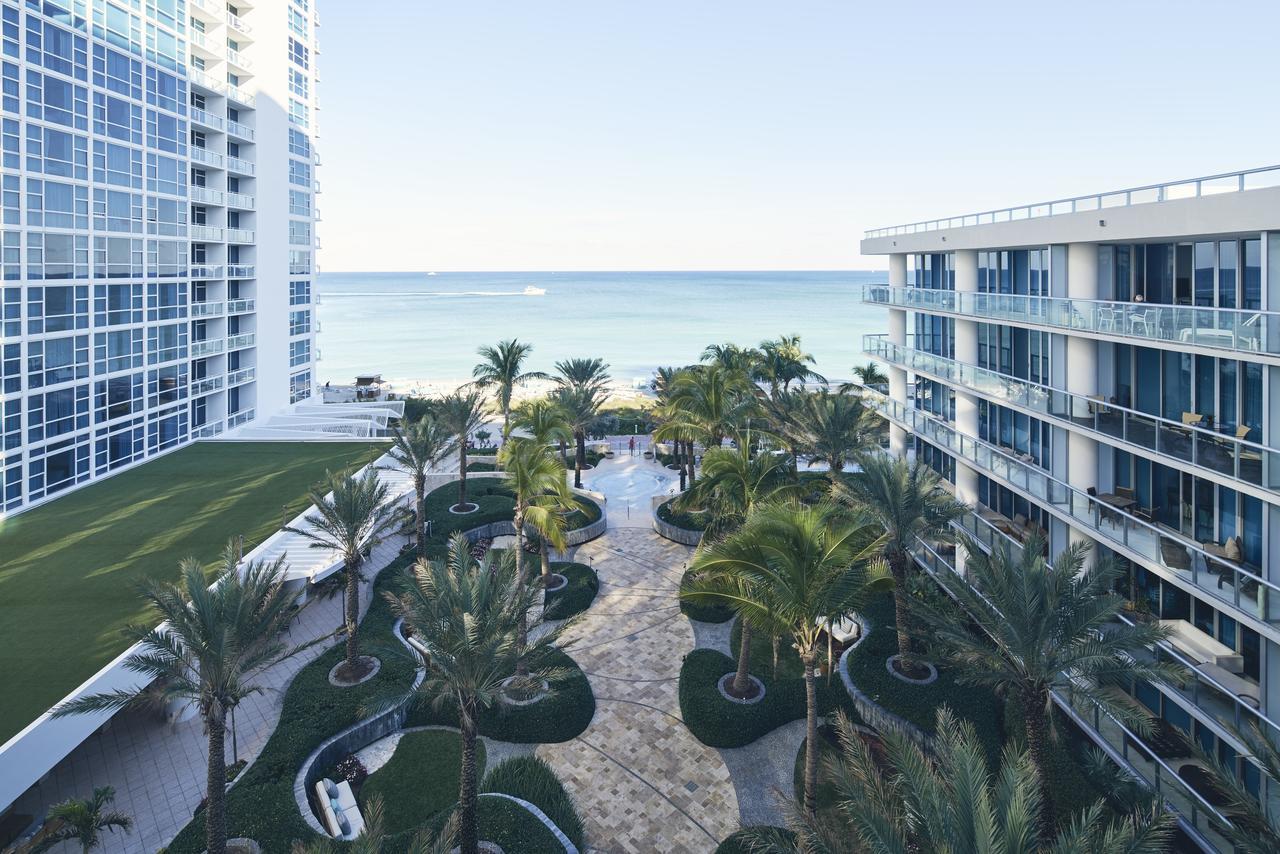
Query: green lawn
{"type": "Point", "coordinates": [420, 780]}
{"type": "Point", "coordinates": [68, 569]}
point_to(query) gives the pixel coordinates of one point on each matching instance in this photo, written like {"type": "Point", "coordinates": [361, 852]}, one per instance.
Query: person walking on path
{"type": "Point", "coordinates": [631, 445]}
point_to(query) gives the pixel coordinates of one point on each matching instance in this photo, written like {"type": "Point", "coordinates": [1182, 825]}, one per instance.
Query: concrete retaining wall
{"type": "Point", "coordinates": [872, 712]}
{"type": "Point", "coordinates": [668, 531]}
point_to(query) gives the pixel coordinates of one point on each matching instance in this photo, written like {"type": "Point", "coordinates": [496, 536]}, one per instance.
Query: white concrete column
{"type": "Point", "coordinates": [898, 270]}
{"type": "Point", "coordinates": [897, 335]}
{"type": "Point", "coordinates": [1082, 379]}
{"type": "Point", "coordinates": [966, 267]}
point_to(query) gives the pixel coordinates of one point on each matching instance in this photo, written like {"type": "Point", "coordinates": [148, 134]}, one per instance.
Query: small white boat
{"type": "Point", "coordinates": [430, 274]}
{"type": "Point", "coordinates": [531, 291]}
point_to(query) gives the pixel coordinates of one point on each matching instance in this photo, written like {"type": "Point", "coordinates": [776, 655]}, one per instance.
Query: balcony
{"type": "Point", "coordinates": [240, 306]}
{"type": "Point", "coordinates": [241, 95]}
{"type": "Point", "coordinates": [206, 234]}
{"type": "Point", "coordinates": [207, 309]}
{"type": "Point", "coordinates": [206, 196]}
{"type": "Point", "coordinates": [240, 377]}
{"type": "Point", "coordinates": [202, 349]}
{"type": "Point", "coordinates": [240, 342]}
{"type": "Point", "coordinates": [243, 201]}
{"type": "Point", "coordinates": [207, 157]}
{"type": "Point", "coordinates": [240, 271]}
{"type": "Point", "coordinates": [207, 431]}
{"type": "Point", "coordinates": [205, 119]}
{"type": "Point", "coordinates": [206, 271]}
{"type": "Point", "coordinates": [1177, 556]}
{"type": "Point", "coordinates": [237, 23]}
{"type": "Point", "coordinates": [206, 81]}
{"type": "Point", "coordinates": [1249, 334]}
{"type": "Point", "coordinates": [240, 131]}
{"type": "Point", "coordinates": [240, 235]}
{"type": "Point", "coordinates": [239, 418]}
{"type": "Point", "coordinates": [207, 385]}
{"type": "Point", "coordinates": [1217, 454]}
{"type": "Point", "coordinates": [238, 59]}
{"type": "Point", "coordinates": [212, 9]}
{"type": "Point", "coordinates": [236, 164]}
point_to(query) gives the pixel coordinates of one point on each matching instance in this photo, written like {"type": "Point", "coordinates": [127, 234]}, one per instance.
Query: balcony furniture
{"type": "Point", "coordinates": [1193, 419]}
{"type": "Point", "coordinates": [338, 809]}
{"type": "Point", "coordinates": [1146, 319]}
{"type": "Point", "coordinates": [1173, 553]}
{"type": "Point", "coordinates": [1202, 648]}
{"type": "Point", "coordinates": [1125, 492]}
{"type": "Point", "coordinates": [1242, 688]}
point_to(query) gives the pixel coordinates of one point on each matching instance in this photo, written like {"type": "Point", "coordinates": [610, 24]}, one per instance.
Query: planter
{"type": "Point", "coordinates": [375, 666]}
{"type": "Point", "coordinates": [724, 681]}
{"type": "Point", "coordinates": [923, 680]}
{"type": "Point", "coordinates": [557, 582]}
{"type": "Point", "coordinates": [544, 691]}
{"type": "Point", "coordinates": [455, 509]}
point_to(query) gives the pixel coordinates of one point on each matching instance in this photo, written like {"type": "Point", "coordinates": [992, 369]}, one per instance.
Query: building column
{"type": "Point", "coordinates": [897, 335]}
{"type": "Point", "coordinates": [965, 263]}
{"type": "Point", "coordinates": [1082, 377]}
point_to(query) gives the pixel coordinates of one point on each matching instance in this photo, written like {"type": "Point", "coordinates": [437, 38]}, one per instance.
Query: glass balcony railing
{"type": "Point", "coordinates": [237, 93]}
{"type": "Point", "coordinates": [206, 196]}
{"type": "Point", "coordinates": [237, 58]}
{"type": "Point", "coordinates": [207, 309]}
{"type": "Point", "coordinates": [205, 386]}
{"type": "Point", "coordinates": [1215, 452]}
{"type": "Point", "coordinates": [240, 200]}
{"type": "Point", "coordinates": [201, 349]}
{"type": "Point", "coordinates": [205, 156]}
{"type": "Point", "coordinates": [207, 431]}
{"type": "Point", "coordinates": [201, 78]}
{"type": "Point", "coordinates": [212, 7]}
{"type": "Point", "coordinates": [240, 130]}
{"type": "Point", "coordinates": [240, 377]}
{"type": "Point", "coordinates": [1152, 542]}
{"type": "Point", "coordinates": [239, 235]}
{"type": "Point", "coordinates": [240, 306]}
{"type": "Point", "coordinates": [206, 119]}
{"type": "Point", "coordinates": [1245, 332]}
{"type": "Point", "coordinates": [239, 342]}
{"type": "Point", "coordinates": [237, 164]}
{"type": "Point", "coordinates": [206, 271]}
{"type": "Point", "coordinates": [237, 23]}
{"type": "Point", "coordinates": [240, 418]}
{"type": "Point", "coordinates": [206, 233]}
{"type": "Point", "coordinates": [240, 271]}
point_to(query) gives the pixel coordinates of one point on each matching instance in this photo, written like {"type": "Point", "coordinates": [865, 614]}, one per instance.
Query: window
{"type": "Point", "coordinates": [299, 54]}
{"type": "Point", "coordinates": [55, 152]}
{"type": "Point", "coordinates": [117, 165]}
{"type": "Point", "coordinates": [299, 113]}
{"type": "Point", "coordinates": [117, 351]}
{"type": "Point", "coordinates": [298, 82]}
{"type": "Point", "coordinates": [300, 173]}
{"type": "Point", "coordinates": [298, 22]}
{"type": "Point", "coordinates": [299, 233]}
{"type": "Point", "coordinates": [299, 352]}
{"type": "Point", "coordinates": [299, 262]}
{"type": "Point", "coordinates": [166, 175]}
{"type": "Point", "coordinates": [58, 101]}
{"type": "Point", "coordinates": [299, 203]}
{"type": "Point", "coordinates": [116, 210]}
{"type": "Point", "coordinates": [299, 143]}
{"type": "Point", "coordinates": [117, 118]}
{"type": "Point", "coordinates": [300, 386]}
{"type": "Point", "coordinates": [299, 322]}
{"type": "Point", "coordinates": [166, 343]}
{"type": "Point", "coordinates": [57, 205]}
{"type": "Point", "coordinates": [299, 293]}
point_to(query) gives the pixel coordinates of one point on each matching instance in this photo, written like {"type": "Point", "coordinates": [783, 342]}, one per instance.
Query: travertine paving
{"type": "Point", "coordinates": [642, 782]}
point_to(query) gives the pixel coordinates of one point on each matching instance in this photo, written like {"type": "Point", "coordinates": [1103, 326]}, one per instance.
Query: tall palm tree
{"type": "Point", "coordinates": [948, 801]}
{"type": "Point", "coordinates": [83, 820]}
{"type": "Point", "coordinates": [833, 428]}
{"type": "Point", "coordinates": [546, 422]}
{"type": "Point", "coordinates": [868, 375]}
{"type": "Point", "coordinates": [418, 449]}
{"type": "Point", "coordinates": [500, 369]}
{"type": "Point", "coordinates": [731, 358]}
{"type": "Point", "coordinates": [352, 515]}
{"type": "Point", "coordinates": [908, 501]}
{"type": "Point", "coordinates": [1254, 828]}
{"type": "Point", "coordinates": [782, 361]}
{"type": "Point", "coordinates": [371, 840]}
{"type": "Point", "coordinates": [1051, 627]}
{"type": "Point", "coordinates": [581, 405]}
{"type": "Point", "coordinates": [215, 639]}
{"type": "Point", "coordinates": [733, 484]}
{"type": "Point", "coordinates": [713, 401]}
{"type": "Point", "coordinates": [800, 566]}
{"type": "Point", "coordinates": [469, 618]}
{"type": "Point", "coordinates": [462, 413]}
{"type": "Point", "coordinates": [784, 416]}
{"type": "Point", "coordinates": [583, 373]}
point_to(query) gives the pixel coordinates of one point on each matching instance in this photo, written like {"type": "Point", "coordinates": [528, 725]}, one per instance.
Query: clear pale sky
{"type": "Point", "coordinates": [740, 135]}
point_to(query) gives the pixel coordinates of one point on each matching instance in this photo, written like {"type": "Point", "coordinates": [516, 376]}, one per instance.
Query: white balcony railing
{"type": "Point", "coordinates": [206, 271]}
{"type": "Point", "coordinates": [240, 271]}
{"type": "Point", "coordinates": [206, 196]}
{"type": "Point", "coordinates": [239, 342]}
{"type": "Point", "coordinates": [201, 349]}
{"type": "Point", "coordinates": [236, 93]}
{"type": "Point", "coordinates": [236, 164]}
{"type": "Point", "coordinates": [242, 131]}
{"type": "Point", "coordinates": [240, 306]}
{"type": "Point", "coordinates": [207, 157]}
{"type": "Point", "coordinates": [240, 377]}
{"type": "Point", "coordinates": [201, 78]}
{"type": "Point", "coordinates": [244, 201]}
{"type": "Point", "coordinates": [206, 233]}
{"type": "Point", "coordinates": [211, 7]}
{"type": "Point", "coordinates": [204, 118]}
{"type": "Point", "coordinates": [237, 23]}
{"type": "Point", "coordinates": [239, 418]}
{"type": "Point", "coordinates": [205, 386]}
{"type": "Point", "coordinates": [237, 58]}
{"type": "Point", "coordinates": [207, 431]}
{"type": "Point", "coordinates": [207, 309]}
{"type": "Point", "coordinates": [240, 235]}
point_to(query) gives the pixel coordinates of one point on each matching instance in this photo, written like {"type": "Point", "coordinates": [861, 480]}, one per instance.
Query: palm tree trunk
{"type": "Point", "coordinates": [546, 562]}
{"type": "Point", "coordinates": [678, 447]}
{"type": "Point", "coordinates": [564, 454]}
{"type": "Point", "coordinates": [215, 811]}
{"type": "Point", "coordinates": [897, 568]}
{"type": "Point", "coordinates": [353, 609]}
{"type": "Point", "coordinates": [420, 512]}
{"type": "Point", "coordinates": [744, 659]}
{"type": "Point", "coordinates": [693, 477]}
{"type": "Point", "coordinates": [462, 474]}
{"type": "Point", "coordinates": [468, 821]}
{"type": "Point", "coordinates": [811, 736]}
{"type": "Point", "coordinates": [774, 671]}
{"type": "Point", "coordinates": [580, 458]}
{"type": "Point", "coordinates": [1033, 717]}
{"type": "Point", "coordinates": [522, 636]}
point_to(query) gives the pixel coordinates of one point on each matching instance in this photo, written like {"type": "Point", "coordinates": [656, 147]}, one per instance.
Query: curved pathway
{"type": "Point", "coordinates": [642, 782]}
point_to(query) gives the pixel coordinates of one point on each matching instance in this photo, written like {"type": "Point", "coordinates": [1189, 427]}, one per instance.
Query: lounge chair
{"type": "Point", "coordinates": [338, 809]}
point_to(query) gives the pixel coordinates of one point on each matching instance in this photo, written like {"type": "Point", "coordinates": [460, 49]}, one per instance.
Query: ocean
{"type": "Point", "coordinates": [415, 328]}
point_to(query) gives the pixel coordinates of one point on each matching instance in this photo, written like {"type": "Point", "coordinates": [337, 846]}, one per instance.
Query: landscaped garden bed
{"type": "Point", "coordinates": [703, 613]}
{"type": "Point", "coordinates": [494, 503]}
{"type": "Point", "coordinates": [576, 596]}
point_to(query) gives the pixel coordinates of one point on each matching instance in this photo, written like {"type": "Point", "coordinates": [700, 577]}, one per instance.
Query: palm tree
{"type": "Point", "coordinates": [371, 840]}
{"type": "Point", "coordinates": [731, 358]}
{"type": "Point", "coordinates": [351, 519]}
{"type": "Point", "coordinates": [947, 801]}
{"type": "Point", "coordinates": [782, 361]}
{"type": "Point", "coordinates": [908, 501]}
{"type": "Point", "coordinates": [583, 373]}
{"type": "Point", "coordinates": [469, 618]}
{"type": "Point", "coordinates": [784, 414]}
{"type": "Point", "coordinates": [214, 640]}
{"type": "Point", "coordinates": [1051, 628]}
{"type": "Point", "coordinates": [800, 566]}
{"type": "Point", "coordinates": [462, 413]}
{"type": "Point", "coordinates": [833, 428]}
{"type": "Point", "coordinates": [713, 402]}
{"type": "Point", "coordinates": [83, 820]}
{"type": "Point", "coordinates": [1254, 829]}
{"type": "Point", "coordinates": [417, 450]}
{"type": "Point", "coordinates": [546, 422]}
{"type": "Point", "coordinates": [500, 369]}
{"type": "Point", "coordinates": [868, 375]}
{"type": "Point", "coordinates": [581, 405]}
{"type": "Point", "coordinates": [733, 483]}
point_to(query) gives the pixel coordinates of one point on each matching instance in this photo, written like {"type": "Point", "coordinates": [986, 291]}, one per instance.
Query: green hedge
{"type": "Point", "coordinates": [420, 780]}
{"type": "Point", "coordinates": [496, 503]}
{"type": "Point", "coordinates": [530, 778]}
{"type": "Point", "coordinates": [508, 824]}
{"type": "Point", "coordinates": [701, 612]}
{"type": "Point", "coordinates": [576, 596]}
{"type": "Point", "coordinates": [736, 842]}
{"type": "Point", "coordinates": [481, 466]}
{"type": "Point", "coordinates": [716, 722]}
{"type": "Point", "coordinates": [688, 520]}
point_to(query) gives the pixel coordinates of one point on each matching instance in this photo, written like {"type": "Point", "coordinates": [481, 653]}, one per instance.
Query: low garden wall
{"type": "Point", "coordinates": [668, 531]}
{"type": "Point", "coordinates": [576, 537]}
{"type": "Point", "coordinates": [873, 713]}
{"type": "Point", "coordinates": [550, 825]}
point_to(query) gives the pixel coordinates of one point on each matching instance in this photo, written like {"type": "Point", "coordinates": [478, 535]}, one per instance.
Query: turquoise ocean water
{"type": "Point", "coordinates": [415, 326]}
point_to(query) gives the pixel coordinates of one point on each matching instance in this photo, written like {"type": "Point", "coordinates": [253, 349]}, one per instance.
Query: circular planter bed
{"type": "Point", "coordinates": [577, 593]}
{"type": "Point", "coordinates": [522, 696]}
{"type": "Point", "coordinates": [755, 689]}
{"type": "Point", "coordinates": [554, 583]}
{"type": "Point", "coordinates": [464, 509]}
{"type": "Point", "coordinates": [368, 668]}
{"type": "Point", "coordinates": [928, 674]}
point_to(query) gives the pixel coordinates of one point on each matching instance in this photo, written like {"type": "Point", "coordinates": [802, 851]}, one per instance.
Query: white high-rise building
{"type": "Point", "coordinates": [1107, 369]}
{"type": "Point", "coordinates": [158, 229]}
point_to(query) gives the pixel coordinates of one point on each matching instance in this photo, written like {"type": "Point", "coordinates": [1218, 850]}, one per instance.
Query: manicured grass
{"type": "Point", "coordinates": [69, 568]}
{"type": "Point", "coordinates": [576, 596]}
{"type": "Point", "coordinates": [421, 779]}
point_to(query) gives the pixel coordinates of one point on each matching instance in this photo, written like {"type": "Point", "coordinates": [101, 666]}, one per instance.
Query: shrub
{"type": "Point", "coordinates": [481, 467]}
{"type": "Point", "coordinates": [504, 822]}
{"type": "Point", "coordinates": [736, 842]}
{"type": "Point", "coordinates": [496, 503]}
{"type": "Point", "coordinates": [421, 778]}
{"type": "Point", "coordinates": [692, 520]}
{"type": "Point", "coordinates": [703, 613]}
{"type": "Point", "coordinates": [530, 778]}
{"type": "Point", "coordinates": [576, 596]}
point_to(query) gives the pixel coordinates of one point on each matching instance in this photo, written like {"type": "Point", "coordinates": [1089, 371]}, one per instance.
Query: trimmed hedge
{"type": "Point", "coordinates": [530, 778]}
{"type": "Point", "coordinates": [420, 780]}
{"type": "Point", "coordinates": [496, 503]}
{"type": "Point", "coordinates": [716, 722]}
{"type": "Point", "coordinates": [700, 612]}
{"type": "Point", "coordinates": [692, 520]}
{"type": "Point", "coordinates": [508, 824]}
{"type": "Point", "coordinates": [736, 842]}
{"type": "Point", "coordinates": [480, 466]}
{"type": "Point", "coordinates": [576, 596]}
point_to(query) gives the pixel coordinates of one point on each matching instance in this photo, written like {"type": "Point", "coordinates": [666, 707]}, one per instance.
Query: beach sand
{"type": "Point", "coordinates": [619, 393]}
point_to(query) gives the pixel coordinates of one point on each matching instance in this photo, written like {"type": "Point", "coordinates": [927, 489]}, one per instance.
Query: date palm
{"type": "Point", "coordinates": [947, 801]}
{"type": "Point", "coordinates": [417, 449]}
{"type": "Point", "coordinates": [1047, 628]}
{"type": "Point", "coordinates": [908, 501]}
{"type": "Point", "coordinates": [469, 617]}
{"type": "Point", "coordinates": [545, 421]}
{"type": "Point", "coordinates": [462, 413]}
{"type": "Point", "coordinates": [581, 405]}
{"type": "Point", "coordinates": [834, 427]}
{"type": "Point", "coordinates": [213, 641]}
{"type": "Point", "coordinates": [799, 566]}
{"type": "Point", "coordinates": [83, 820]}
{"type": "Point", "coordinates": [501, 369]}
{"type": "Point", "coordinates": [352, 515]}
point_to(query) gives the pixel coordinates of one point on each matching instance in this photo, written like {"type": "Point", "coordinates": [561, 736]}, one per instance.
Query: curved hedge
{"type": "Point", "coordinates": [736, 842]}
{"type": "Point", "coordinates": [716, 722]}
{"type": "Point", "coordinates": [688, 520]}
{"type": "Point", "coordinates": [496, 504]}
{"type": "Point", "coordinates": [576, 596]}
{"type": "Point", "coordinates": [531, 779]}
{"type": "Point", "coordinates": [701, 612]}
{"type": "Point", "coordinates": [503, 822]}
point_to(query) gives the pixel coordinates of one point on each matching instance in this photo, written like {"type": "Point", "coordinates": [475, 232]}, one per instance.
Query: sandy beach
{"type": "Point", "coordinates": [619, 393]}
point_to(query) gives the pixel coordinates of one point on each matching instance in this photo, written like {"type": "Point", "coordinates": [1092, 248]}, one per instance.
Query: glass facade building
{"type": "Point", "coordinates": [156, 253]}
{"type": "Point", "coordinates": [1108, 369]}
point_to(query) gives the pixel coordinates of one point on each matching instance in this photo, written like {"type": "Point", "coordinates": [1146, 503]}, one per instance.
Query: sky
{"type": "Point", "coordinates": [737, 135]}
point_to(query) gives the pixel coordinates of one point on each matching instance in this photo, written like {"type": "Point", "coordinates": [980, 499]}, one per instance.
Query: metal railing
{"type": "Point", "coordinates": [240, 418]}
{"type": "Point", "coordinates": [205, 156]}
{"type": "Point", "coordinates": [205, 386]}
{"type": "Point", "coordinates": [201, 349]}
{"type": "Point", "coordinates": [240, 377]}
{"type": "Point", "coordinates": [239, 342]}
{"type": "Point", "coordinates": [240, 200]}
{"type": "Point", "coordinates": [1249, 333]}
{"type": "Point", "coordinates": [237, 164]}
{"type": "Point", "coordinates": [207, 119]}
{"type": "Point", "coordinates": [206, 271]}
{"type": "Point", "coordinates": [1245, 591]}
{"type": "Point", "coordinates": [1226, 182]}
{"type": "Point", "coordinates": [241, 130]}
{"type": "Point", "coordinates": [207, 309]}
{"type": "Point", "coordinates": [239, 235]}
{"type": "Point", "coordinates": [236, 93]}
{"type": "Point", "coordinates": [1214, 452]}
{"type": "Point", "coordinates": [207, 431]}
{"type": "Point", "coordinates": [240, 306]}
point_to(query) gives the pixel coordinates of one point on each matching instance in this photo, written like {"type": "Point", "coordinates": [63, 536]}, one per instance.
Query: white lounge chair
{"type": "Point", "coordinates": [339, 810]}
